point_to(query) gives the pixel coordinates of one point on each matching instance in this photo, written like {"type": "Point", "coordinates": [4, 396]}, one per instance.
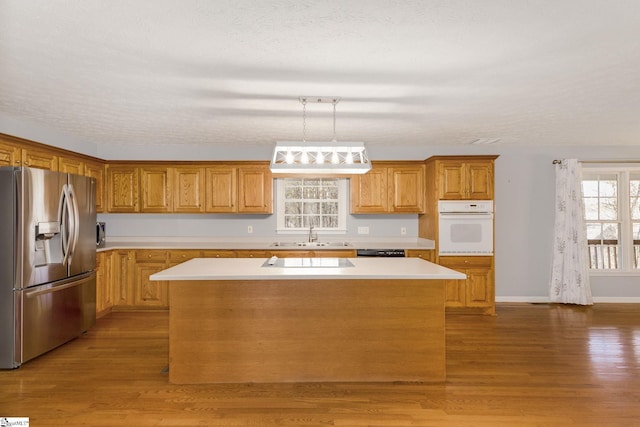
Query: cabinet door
{"type": "Point", "coordinates": [221, 189]}
{"type": "Point", "coordinates": [148, 293]}
{"type": "Point", "coordinates": [465, 180]}
{"type": "Point", "coordinates": [157, 189]}
{"type": "Point", "coordinates": [479, 177]}
{"type": "Point", "coordinates": [406, 189]}
{"type": "Point", "coordinates": [104, 284]}
{"type": "Point", "coordinates": [96, 171]}
{"type": "Point", "coordinates": [41, 159]}
{"type": "Point", "coordinates": [122, 189]}
{"type": "Point", "coordinates": [188, 184]}
{"type": "Point", "coordinates": [122, 266]}
{"type": "Point", "coordinates": [9, 155]}
{"type": "Point", "coordinates": [369, 192]}
{"type": "Point", "coordinates": [71, 165]}
{"type": "Point", "coordinates": [255, 189]}
{"type": "Point", "coordinates": [451, 185]}
{"type": "Point", "coordinates": [454, 293]}
{"type": "Point", "coordinates": [477, 291]}
{"type": "Point", "coordinates": [479, 287]}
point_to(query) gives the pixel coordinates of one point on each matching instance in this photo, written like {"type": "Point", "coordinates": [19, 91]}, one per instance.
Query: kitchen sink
{"type": "Point", "coordinates": [311, 244]}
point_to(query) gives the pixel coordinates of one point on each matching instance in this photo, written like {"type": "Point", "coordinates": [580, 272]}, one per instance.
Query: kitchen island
{"type": "Point", "coordinates": [306, 319]}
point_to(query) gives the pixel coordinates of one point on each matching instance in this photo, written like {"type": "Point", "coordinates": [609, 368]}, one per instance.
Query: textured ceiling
{"type": "Point", "coordinates": [553, 72]}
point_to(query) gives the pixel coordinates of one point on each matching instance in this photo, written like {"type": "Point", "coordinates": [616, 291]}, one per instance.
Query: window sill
{"type": "Point", "coordinates": [614, 273]}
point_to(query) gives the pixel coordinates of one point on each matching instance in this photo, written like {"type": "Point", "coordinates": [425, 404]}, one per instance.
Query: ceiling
{"type": "Point", "coordinates": [230, 72]}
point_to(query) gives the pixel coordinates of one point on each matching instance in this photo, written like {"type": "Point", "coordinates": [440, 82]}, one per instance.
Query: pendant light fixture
{"type": "Point", "coordinates": [303, 157]}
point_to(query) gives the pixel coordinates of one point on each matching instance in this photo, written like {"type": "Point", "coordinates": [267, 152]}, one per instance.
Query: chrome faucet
{"type": "Point", "coordinates": [312, 236]}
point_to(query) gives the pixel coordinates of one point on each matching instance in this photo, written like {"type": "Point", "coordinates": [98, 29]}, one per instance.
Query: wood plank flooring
{"type": "Point", "coordinates": [531, 365]}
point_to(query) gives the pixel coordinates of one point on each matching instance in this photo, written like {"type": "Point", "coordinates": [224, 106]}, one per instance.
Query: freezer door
{"type": "Point", "coordinates": [83, 194]}
{"type": "Point", "coordinates": [55, 313]}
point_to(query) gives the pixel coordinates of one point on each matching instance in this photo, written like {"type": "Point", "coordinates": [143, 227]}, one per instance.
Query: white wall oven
{"type": "Point", "coordinates": [465, 227]}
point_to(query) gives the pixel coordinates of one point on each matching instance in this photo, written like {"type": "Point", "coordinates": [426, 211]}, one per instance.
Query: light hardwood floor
{"type": "Point", "coordinates": [531, 365]}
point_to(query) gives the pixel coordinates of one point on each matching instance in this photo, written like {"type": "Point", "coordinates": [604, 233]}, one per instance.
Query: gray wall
{"type": "Point", "coordinates": [524, 185]}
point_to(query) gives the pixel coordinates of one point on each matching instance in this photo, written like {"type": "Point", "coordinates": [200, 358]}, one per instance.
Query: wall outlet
{"type": "Point", "coordinates": [403, 231]}
{"type": "Point", "coordinates": [363, 230]}
{"type": "Point", "coordinates": [249, 229]}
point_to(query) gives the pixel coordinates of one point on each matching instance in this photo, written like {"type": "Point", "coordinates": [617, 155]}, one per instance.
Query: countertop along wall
{"type": "Point", "coordinates": [524, 187]}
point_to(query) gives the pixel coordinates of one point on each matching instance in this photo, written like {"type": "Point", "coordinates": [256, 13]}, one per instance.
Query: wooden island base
{"type": "Point", "coordinates": [359, 330]}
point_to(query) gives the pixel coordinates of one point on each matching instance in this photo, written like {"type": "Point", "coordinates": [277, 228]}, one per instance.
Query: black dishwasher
{"type": "Point", "coordinates": [386, 253]}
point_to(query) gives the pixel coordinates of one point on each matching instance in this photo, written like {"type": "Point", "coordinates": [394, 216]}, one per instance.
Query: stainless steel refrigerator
{"type": "Point", "coordinates": [47, 261]}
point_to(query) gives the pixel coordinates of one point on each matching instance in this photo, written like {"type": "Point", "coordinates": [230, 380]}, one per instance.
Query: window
{"type": "Point", "coordinates": [612, 214]}
{"type": "Point", "coordinates": [317, 202]}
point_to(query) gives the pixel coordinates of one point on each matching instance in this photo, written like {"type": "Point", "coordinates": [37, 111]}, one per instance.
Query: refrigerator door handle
{"type": "Point", "coordinates": [74, 218]}
{"type": "Point", "coordinates": [63, 218]}
{"type": "Point", "coordinates": [68, 223]}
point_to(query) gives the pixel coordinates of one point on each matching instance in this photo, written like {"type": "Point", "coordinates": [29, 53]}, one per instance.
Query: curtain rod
{"type": "Point", "coordinates": [557, 161]}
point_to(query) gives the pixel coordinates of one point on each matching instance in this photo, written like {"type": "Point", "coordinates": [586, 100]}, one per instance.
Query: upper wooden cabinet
{"type": "Point", "coordinates": [14, 154]}
{"type": "Point", "coordinates": [465, 179]}
{"type": "Point", "coordinates": [72, 165]}
{"type": "Point", "coordinates": [122, 188]}
{"type": "Point", "coordinates": [255, 189]}
{"type": "Point", "coordinates": [156, 189]}
{"type": "Point", "coordinates": [221, 189]}
{"type": "Point", "coordinates": [188, 189]}
{"type": "Point", "coordinates": [241, 189]}
{"type": "Point", "coordinates": [9, 154]}
{"type": "Point", "coordinates": [389, 188]}
{"type": "Point", "coordinates": [39, 158]}
{"type": "Point", "coordinates": [95, 170]}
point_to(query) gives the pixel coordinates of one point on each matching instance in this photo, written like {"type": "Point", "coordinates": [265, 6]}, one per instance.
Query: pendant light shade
{"type": "Point", "coordinates": [298, 157]}
{"type": "Point", "coordinates": [302, 157]}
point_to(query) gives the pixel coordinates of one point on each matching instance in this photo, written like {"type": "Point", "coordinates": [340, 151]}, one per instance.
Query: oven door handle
{"type": "Point", "coordinates": [479, 215]}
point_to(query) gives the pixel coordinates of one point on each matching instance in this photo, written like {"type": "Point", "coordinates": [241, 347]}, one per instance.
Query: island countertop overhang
{"type": "Point", "coordinates": [253, 269]}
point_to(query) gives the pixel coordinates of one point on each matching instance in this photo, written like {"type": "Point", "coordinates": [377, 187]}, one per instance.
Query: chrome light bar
{"type": "Point", "coordinates": [307, 157]}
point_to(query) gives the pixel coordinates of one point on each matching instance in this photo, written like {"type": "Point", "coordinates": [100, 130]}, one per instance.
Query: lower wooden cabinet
{"type": "Point", "coordinates": [122, 268]}
{"type": "Point", "coordinates": [476, 294]}
{"type": "Point", "coordinates": [123, 275]}
{"type": "Point", "coordinates": [148, 293]}
{"type": "Point", "coordinates": [104, 284]}
{"type": "Point", "coordinates": [425, 254]}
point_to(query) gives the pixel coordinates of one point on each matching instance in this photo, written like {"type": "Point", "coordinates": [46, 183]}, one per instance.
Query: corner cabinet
{"type": "Point", "coordinates": [476, 294]}
{"type": "Point", "coordinates": [389, 188]}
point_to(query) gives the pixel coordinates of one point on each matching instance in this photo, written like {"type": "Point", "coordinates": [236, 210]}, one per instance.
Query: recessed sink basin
{"type": "Point", "coordinates": [312, 244]}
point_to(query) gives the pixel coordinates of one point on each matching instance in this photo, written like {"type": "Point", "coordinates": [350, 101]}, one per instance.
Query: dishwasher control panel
{"type": "Point", "coordinates": [387, 253]}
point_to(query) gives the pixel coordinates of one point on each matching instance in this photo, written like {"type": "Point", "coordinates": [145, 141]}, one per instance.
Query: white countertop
{"type": "Point", "coordinates": [262, 243]}
{"type": "Point", "coordinates": [252, 269]}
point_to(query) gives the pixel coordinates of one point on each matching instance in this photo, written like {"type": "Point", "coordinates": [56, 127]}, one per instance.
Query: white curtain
{"type": "Point", "coordinates": [570, 269]}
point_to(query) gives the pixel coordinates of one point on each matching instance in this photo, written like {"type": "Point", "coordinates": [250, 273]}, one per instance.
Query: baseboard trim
{"type": "Point", "coordinates": [530, 299]}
